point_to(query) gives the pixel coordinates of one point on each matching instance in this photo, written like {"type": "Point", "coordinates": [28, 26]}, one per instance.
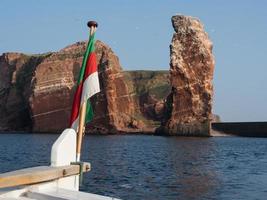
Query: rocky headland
{"type": "Point", "coordinates": [36, 90]}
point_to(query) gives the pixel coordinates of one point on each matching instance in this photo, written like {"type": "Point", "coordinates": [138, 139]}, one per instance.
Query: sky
{"type": "Point", "coordinates": [140, 32]}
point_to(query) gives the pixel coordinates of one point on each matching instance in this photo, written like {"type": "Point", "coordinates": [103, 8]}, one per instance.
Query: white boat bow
{"type": "Point", "coordinates": [59, 181]}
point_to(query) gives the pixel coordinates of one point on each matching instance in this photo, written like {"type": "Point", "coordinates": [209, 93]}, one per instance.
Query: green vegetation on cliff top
{"type": "Point", "coordinates": [154, 83]}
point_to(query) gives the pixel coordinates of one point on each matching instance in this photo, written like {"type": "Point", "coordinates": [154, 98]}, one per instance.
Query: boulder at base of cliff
{"type": "Point", "coordinates": [191, 72]}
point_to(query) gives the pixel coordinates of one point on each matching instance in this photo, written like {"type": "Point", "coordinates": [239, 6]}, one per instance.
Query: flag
{"type": "Point", "coordinates": [87, 85]}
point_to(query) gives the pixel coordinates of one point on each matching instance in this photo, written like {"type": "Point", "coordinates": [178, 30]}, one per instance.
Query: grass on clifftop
{"type": "Point", "coordinates": [155, 83]}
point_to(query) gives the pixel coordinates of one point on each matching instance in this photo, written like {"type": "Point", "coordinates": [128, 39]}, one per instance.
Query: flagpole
{"type": "Point", "coordinates": [92, 25]}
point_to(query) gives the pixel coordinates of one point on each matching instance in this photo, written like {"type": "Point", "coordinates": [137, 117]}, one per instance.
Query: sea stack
{"type": "Point", "coordinates": [189, 104]}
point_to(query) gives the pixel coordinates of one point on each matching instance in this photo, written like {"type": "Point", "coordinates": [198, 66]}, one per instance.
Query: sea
{"type": "Point", "coordinates": [135, 167]}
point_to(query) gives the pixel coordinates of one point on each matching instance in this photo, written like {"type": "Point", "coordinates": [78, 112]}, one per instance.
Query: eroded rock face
{"type": "Point", "coordinates": [191, 70]}
{"type": "Point", "coordinates": [51, 97]}
{"type": "Point", "coordinates": [54, 86]}
{"type": "Point", "coordinates": [36, 92]}
{"type": "Point", "coordinates": [114, 106]}
{"type": "Point", "coordinates": [16, 70]}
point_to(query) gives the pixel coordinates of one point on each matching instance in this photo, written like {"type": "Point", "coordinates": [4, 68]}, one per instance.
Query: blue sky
{"type": "Point", "coordinates": [140, 32]}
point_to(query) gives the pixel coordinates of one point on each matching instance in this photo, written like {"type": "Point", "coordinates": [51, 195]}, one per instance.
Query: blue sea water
{"type": "Point", "coordinates": [135, 167]}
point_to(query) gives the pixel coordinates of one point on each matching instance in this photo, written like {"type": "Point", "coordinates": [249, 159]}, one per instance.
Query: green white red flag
{"type": "Point", "coordinates": [87, 85]}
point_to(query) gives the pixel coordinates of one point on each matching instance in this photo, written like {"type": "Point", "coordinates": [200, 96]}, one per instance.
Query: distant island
{"type": "Point", "coordinates": [36, 90]}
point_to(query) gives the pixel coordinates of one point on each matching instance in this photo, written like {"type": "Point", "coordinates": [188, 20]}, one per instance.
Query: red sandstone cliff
{"type": "Point", "coordinates": [16, 70]}
{"type": "Point", "coordinates": [36, 92]}
{"type": "Point", "coordinates": [189, 105]}
{"type": "Point", "coordinates": [54, 84]}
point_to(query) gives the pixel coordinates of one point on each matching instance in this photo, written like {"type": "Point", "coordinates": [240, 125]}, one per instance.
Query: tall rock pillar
{"type": "Point", "coordinates": [191, 70]}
